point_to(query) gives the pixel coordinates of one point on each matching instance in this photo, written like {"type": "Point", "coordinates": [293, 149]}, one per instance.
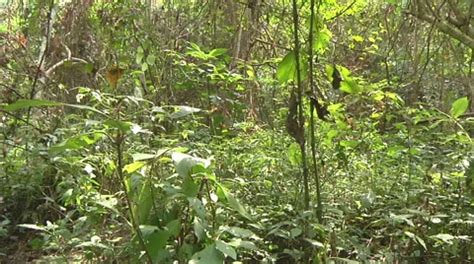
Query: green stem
{"type": "Point", "coordinates": [319, 208]}
{"type": "Point", "coordinates": [300, 104]}
{"type": "Point", "coordinates": [119, 148]}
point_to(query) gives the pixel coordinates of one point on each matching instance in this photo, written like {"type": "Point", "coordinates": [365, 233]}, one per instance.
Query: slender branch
{"type": "Point", "coordinates": [300, 104]}
{"type": "Point", "coordinates": [48, 72]}
{"type": "Point", "coordinates": [343, 11]}
{"type": "Point", "coordinates": [24, 121]}
{"type": "Point", "coordinates": [313, 137]}
{"type": "Point", "coordinates": [421, 11]}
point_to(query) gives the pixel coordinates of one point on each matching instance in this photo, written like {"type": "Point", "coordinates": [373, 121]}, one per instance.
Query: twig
{"type": "Point", "coordinates": [343, 11]}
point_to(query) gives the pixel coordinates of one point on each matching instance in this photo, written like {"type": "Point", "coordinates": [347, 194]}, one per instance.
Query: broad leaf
{"type": "Point", "coordinates": [459, 107]}
{"type": "Point", "coordinates": [238, 231]}
{"type": "Point", "coordinates": [225, 248]}
{"type": "Point", "coordinates": [76, 142]}
{"type": "Point", "coordinates": [189, 187]}
{"type": "Point", "coordinates": [209, 255]}
{"type": "Point", "coordinates": [132, 167]}
{"type": "Point", "coordinates": [217, 52]}
{"type": "Point", "coordinates": [120, 125]}
{"type": "Point", "coordinates": [182, 111]}
{"type": "Point", "coordinates": [294, 154]}
{"type": "Point", "coordinates": [155, 240]}
{"type": "Point", "coordinates": [185, 163]}
{"type": "Point", "coordinates": [287, 68]}
{"type": "Point", "coordinates": [239, 243]}
{"type": "Point", "coordinates": [145, 203]}
{"type": "Point", "coordinates": [233, 202]}
{"type": "Point", "coordinates": [146, 156]}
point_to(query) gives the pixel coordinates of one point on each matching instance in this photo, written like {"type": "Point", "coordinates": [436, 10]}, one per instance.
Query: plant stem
{"type": "Point", "coordinates": [319, 208]}
{"type": "Point", "coordinates": [119, 148]}
{"type": "Point", "coordinates": [300, 104]}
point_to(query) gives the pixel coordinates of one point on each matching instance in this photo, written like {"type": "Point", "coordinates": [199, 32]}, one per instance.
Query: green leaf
{"type": "Point", "coordinates": [144, 67]}
{"type": "Point", "coordinates": [315, 243]}
{"type": "Point", "coordinates": [132, 167]}
{"type": "Point", "coordinates": [86, 107]}
{"type": "Point", "coordinates": [349, 143]}
{"type": "Point", "coordinates": [32, 226]}
{"type": "Point", "coordinates": [174, 227]}
{"type": "Point", "coordinates": [239, 232]}
{"type": "Point", "coordinates": [24, 103]}
{"type": "Point", "coordinates": [146, 156]}
{"type": "Point", "coordinates": [198, 207]}
{"type": "Point", "coordinates": [150, 60]}
{"type": "Point", "coordinates": [209, 255]}
{"type": "Point", "coordinates": [217, 52]}
{"type": "Point", "coordinates": [199, 229]}
{"type": "Point", "coordinates": [120, 125]}
{"type": "Point", "coordinates": [357, 38]}
{"type": "Point", "coordinates": [155, 240]}
{"type": "Point", "coordinates": [322, 38]}
{"type": "Point", "coordinates": [142, 156]}
{"type": "Point", "coordinates": [287, 68]}
{"type": "Point", "coordinates": [145, 203]}
{"type": "Point", "coordinates": [233, 202]}
{"type": "Point", "coordinates": [239, 243]}
{"type": "Point", "coordinates": [368, 199]}
{"type": "Point", "coordinates": [295, 232]}
{"type": "Point", "coordinates": [76, 142]}
{"type": "Point", "coordinates": [140, 55]}
{"type": "Point", "coordinates": [446, 238]}
{"type": "Point", "coordinates": [294, 154]}
{"type": "Point", "coordinates": [348, 84]}
{"type": "Point", "coordinates": [189, 187]}
{"type": "Point", "coordinates": [225, 248]}
{"type": "Point", "coordinates": [421, 242]}
{"type": "Point", "coordinates": [459, 107]}
{"type": "Point", "coordinates": [183, 111]}
{"type": "Point", "coordinates": [185, 163]}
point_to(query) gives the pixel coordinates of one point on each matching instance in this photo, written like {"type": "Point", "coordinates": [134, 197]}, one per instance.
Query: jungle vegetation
{"type": "Point", "coordinates": [236, 131]}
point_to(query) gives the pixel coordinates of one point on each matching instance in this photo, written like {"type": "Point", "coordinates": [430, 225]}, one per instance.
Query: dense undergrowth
{"type": "Point", "coordinates": [127, 142]}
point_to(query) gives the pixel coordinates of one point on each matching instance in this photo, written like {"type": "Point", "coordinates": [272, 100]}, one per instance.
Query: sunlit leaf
{"type": "Point", "coordinates": [225, 248]}
{"type": "Point", "coordinates": [446, 238]}
{"type": "Point", "coordinates": [287, 68]}
{"type": "Point", "coordinates": [239, 243]}
{"type": "Point", "coordinates": [146, 156]}
{"type": "Point", "coordinates": [77, 142]}
{"type": "Point", "coordinates": [132, 167]}
{"type": "Point", "coordinates": [31, 226]}
{"type": "Point", "coordinates": [199, 229]}
{"type": "Point", "coordinates": [295, 232]}
{"type": "Point", "coordinates": [183, 111]}
{"type": "Point", "coordinates": [184, 163]}
{"type": "Point", "coordinates": [459, 107]}
{"type": "Point", "coordinates": [294, 154]}
{"type": "Point", "coordinates": [239, 232]}
{"type": "Point", "coordinates": [217, 52]}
